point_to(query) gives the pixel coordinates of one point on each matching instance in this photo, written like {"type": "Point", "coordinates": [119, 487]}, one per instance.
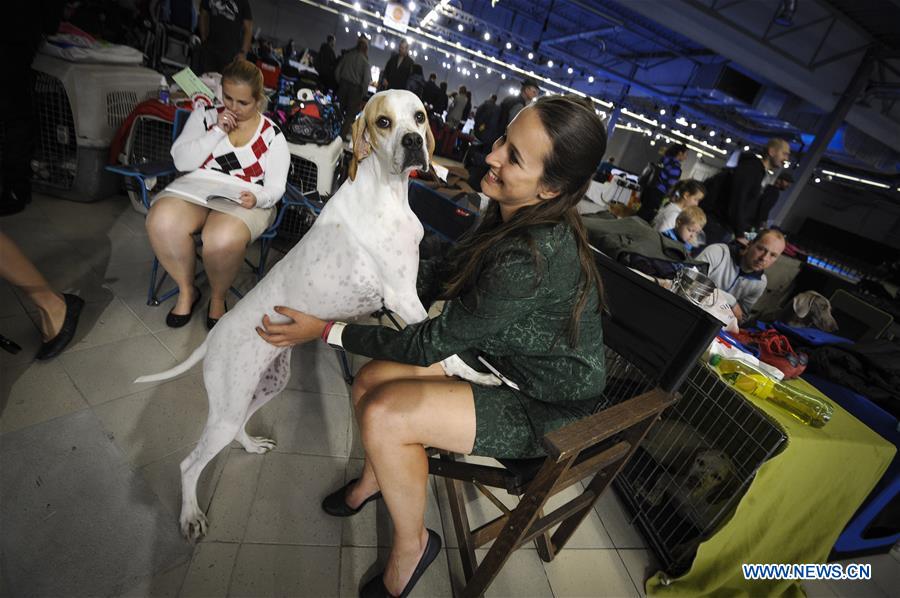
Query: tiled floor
{"type": "Point", "coordinates": [89, 461]}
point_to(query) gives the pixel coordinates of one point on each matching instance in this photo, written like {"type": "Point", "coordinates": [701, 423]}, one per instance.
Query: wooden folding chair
{"type": "Point", "coordinates": [652, 340]}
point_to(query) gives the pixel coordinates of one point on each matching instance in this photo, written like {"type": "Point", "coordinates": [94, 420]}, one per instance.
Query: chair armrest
{"type": "Point", "coordinates": [588, 431]}
{"type": "Point", "coordinates": [294, 197]}
{"type": "Point", "coordinates": [147, 169]}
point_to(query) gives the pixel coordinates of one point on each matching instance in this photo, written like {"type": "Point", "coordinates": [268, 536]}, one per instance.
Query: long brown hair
{"type": "Point", "coordinates": [578, 143]}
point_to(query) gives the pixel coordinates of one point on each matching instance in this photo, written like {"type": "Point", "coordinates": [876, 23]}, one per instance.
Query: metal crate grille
{"type": "Point", "coordinates": [119, 105]}
{"type": "Point", "coordinates": [672, 483]}
{"type": "Point", "coordinates": [55, 159]}
{"type": "Point", "coordinates": [303, 174]}
{"type": "Point", "coordinates": [151, 141]}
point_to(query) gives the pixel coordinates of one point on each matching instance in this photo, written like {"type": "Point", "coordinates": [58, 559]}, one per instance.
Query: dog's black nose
{"type": "Point", "coordinates": [412, 141]}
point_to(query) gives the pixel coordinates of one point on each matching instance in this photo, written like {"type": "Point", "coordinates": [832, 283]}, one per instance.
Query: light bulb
{"type": "Point", "coordinates": [487, 36]}
{"type": "Point", "coordinates": [591, 79]}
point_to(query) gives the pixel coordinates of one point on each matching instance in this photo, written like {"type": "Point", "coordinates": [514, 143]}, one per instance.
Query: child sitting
{"type": "Point", "coordinates": [684, 194]}
{"type": "Point", "coordinates": [688, 225]}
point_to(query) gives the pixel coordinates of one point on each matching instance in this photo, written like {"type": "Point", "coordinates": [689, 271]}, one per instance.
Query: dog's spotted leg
{"type": "Point", "coordinates": [273, 381]}
{"type": "Point", "coordinates": [216, 435]}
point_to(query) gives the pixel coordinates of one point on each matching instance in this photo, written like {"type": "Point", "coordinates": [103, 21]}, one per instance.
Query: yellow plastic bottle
{"type": "Point", "coordinates": [810, 410]}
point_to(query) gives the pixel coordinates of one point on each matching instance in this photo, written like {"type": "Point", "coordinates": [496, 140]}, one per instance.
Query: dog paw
{"type": "Point", "coordinates": [257, 444]}
{"type": "Point", "coordinates": [193, 525]}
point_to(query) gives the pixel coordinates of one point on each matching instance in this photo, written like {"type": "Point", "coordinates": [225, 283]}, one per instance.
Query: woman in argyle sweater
{"type": "Point", "coordinates": [234, 144]}
{"type": "Point", "coordinates": [522, 294]}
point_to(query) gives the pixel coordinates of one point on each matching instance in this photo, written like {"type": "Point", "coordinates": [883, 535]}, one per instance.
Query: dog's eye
{"type": "Point", "coordinates": [420, 117]}
{"type": "Point", "coordinates": [383, 122]}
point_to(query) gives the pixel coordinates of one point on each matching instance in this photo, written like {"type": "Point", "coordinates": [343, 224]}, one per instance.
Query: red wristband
{"type": "Point", "coordinates": [326, 330]}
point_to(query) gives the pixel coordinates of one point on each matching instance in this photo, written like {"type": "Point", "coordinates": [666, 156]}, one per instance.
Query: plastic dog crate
{"type": "Point", "coordinates": [78, 108]}
{"type": "Point", "coordinates": [314, 167]}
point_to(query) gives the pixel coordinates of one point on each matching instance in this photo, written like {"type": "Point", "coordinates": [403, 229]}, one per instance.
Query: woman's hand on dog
{"type": "Point", "coordinates": [302, 328]}
{"type": "Point", "coordinates": [248, 200]}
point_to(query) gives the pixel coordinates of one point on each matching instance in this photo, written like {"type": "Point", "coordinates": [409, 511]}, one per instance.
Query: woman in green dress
{"type": "Point", "coordinates": [523, 301]}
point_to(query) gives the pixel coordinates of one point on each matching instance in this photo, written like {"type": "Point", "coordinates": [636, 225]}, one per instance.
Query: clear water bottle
{"type": "Point", "coordinates": [163, 90]}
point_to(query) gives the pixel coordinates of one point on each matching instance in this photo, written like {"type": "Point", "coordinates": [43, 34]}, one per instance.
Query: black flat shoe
{"type": "Point", "coordinates": [335, 504]}
{"type": "Point", "coordinates": [374, 588]}
{"type": "Point", "coordinates": [210, 322]}
{"type": "Point", "coordinates": [55, 345]}
{"type": "Point", "coordinates": [176, 320]}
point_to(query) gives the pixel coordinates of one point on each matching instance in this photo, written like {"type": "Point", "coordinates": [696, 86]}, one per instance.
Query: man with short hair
{"type": "Point", "coordinates": [226, 29]}
{"type": "Point", "coordinates": [511, 105]}
{"type": "Point", "coordinates": [432, 93]}
{"type": "Point", "coordinates": [397, 69]}
{"type": "Point", "coordinates": [732, 194]}
{"type": "Point", "coordinates": [325, 62]}
{"type": "Point", "coordinates": [486, 129]}
{"type": "Point", "coordinates": [740, 272]}
{"type": "Point", "coordinates": [769, 197]}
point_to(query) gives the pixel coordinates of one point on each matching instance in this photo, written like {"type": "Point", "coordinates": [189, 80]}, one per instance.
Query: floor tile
{"type": "Point", "coordinates": [102, 323]}
{"type": "Point", "coordinates": [181, 342]}
{"type": "Point", "coordinates": [36, 393]}
{"type": "Point", "coordinates": [616, 521]}
{"type": "Point", "coordinates": [166, 584]}
{"type": "Point", "coordinates": [287, 508]}
{"type": "Point", "coordinates": [229, 509]}
{"type": "Point", "coordinates": [296, 571]}
{"type": "Point", "coordinates": [79, 510]}
{"type": "Point", "coordinates": [522, 575]}
{"type": "Point", "coordinates": [121, 362]}
{"type": "Point", "coordinates": [590, 533]}
{"type": "Point", "coordinates": [641, 565]}
{"type": "Point", "coordinates": [311, 423]}
{"type": "Point", "coordinates": [372, 526]}
{"type": "Point", "coordinates": [21, 330]}
{"type": "Point", "coordinates": [589, 572]}
{"type": "Point", "coordinates": [358, 565]}
{"type": "Point", "coordinates": [155, 422]}
{"type": "Point", "coordinates": [127, 280]}
{"type": "Point", "coordinates": [210, 571]}
{"type": "Point", "coordinates": [9, 301]}
{"type": "Point", "coordinates": [164, 478]}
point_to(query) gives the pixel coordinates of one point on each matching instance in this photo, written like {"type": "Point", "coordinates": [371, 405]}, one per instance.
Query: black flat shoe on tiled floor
{"type": "Point", "coordinates": [210, 322]}
{"type": "Point", "coordinates": [335, 504]}
{"type": "Point", "coordinates": [179, 320]}
{"type": "Point", "coordinates": [374, 588]}
{"type": "Point", "coordinates": [55, 345]}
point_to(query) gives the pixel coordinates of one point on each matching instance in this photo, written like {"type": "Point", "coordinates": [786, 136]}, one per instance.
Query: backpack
{"type": "Point", "coordinates": [313, 119]}
{"type": "Point", "coordinates": [649, 175]}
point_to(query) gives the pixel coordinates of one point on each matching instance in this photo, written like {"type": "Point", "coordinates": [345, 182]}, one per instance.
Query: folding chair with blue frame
{"type": "Point", "coordinates": [143, 173]}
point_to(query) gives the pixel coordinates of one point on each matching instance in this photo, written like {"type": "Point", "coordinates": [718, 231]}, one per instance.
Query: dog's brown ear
{"type": "Point", "coordinates": [360, 144]}
{"type": "Point", "coordinates": [429, 143]}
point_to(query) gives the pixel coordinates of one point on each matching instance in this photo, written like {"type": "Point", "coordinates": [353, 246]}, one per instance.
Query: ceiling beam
{"type": "Point", "coordinates": [822, 87]}
{"type": "Point", "coordinates": [582, 35]}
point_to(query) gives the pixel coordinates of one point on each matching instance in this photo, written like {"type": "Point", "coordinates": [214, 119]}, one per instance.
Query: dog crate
{"type": "Point", "coordinates": [149, 141]}
{"type": "Point", "coordinates": [314, 167]}
{"type": "Point", "coordinates": [78, 108]}
{"type": "Point", "coordinates": [695, 465]}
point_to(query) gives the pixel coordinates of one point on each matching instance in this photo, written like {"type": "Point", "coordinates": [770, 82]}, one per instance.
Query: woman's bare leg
{"type": "Point", "coordinates": [370, 376]}
{"type": "Point", "coordinates": [171, 222]}
{"type": "Point", "coordinates": [398, 419]}
{"type": "Point", "coordinates": [225, 240]}
{"type": "Point", "coordinates": [18, 269]}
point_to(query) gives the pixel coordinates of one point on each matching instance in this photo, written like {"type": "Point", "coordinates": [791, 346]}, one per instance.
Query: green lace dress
{"type": "Point", "coordinates": [515, 316]}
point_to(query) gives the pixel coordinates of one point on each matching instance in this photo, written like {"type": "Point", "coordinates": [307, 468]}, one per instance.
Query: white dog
{"type": "Point", "coordinates": [362, 251]}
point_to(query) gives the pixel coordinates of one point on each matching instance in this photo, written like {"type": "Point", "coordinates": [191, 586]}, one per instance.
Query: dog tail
{"type": "Point", "coordinates": [179, 369]}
